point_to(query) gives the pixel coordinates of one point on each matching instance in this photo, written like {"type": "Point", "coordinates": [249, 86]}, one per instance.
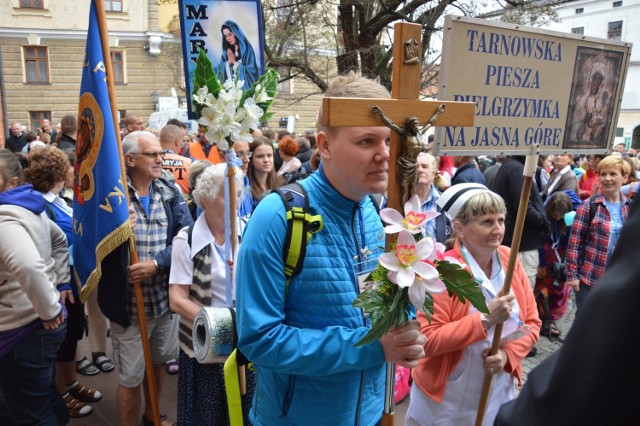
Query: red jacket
{"type": "Point", "coordinates": [451, 330]}
{"type": "Point", "coordinates": [588, 183]}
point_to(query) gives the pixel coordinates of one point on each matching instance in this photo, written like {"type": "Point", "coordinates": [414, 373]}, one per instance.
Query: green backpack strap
{"type": "Point", "coordinates": [301, 225]}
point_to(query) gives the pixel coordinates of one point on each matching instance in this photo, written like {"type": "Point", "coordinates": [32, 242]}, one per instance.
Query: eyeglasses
{"type": "Point", "coordinates": [246, 154]}
{"type": "Point", "coordinates": [153, 155]}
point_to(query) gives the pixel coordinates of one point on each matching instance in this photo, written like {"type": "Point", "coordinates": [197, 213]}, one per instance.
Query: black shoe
{"type": "Point", "coordinates": [532, 352]}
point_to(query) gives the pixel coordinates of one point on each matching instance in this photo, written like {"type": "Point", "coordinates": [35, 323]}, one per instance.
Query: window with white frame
{"type": "Point", "coordinates": [36, 64]}
{"type": "Point", "coordinates": [117, 64]}
{"type": "Point", "coordinates": [113, 5]}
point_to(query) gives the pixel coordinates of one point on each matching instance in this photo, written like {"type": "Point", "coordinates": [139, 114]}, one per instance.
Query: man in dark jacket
{"type": "Point", "coordinates": [467, 172]}
{"type": "Point", "coordinates": [69, 130]}
{"type": "Point", "coordinates": [304, 149]}
{"type": "Point", "coordinates": [17, 137]}
{"type": "Point", "coordinates": [508, 184]}
{"type": "Point", "coordinates": [48, 129]}
{"type": "Point", "coordinates": [584, 382]}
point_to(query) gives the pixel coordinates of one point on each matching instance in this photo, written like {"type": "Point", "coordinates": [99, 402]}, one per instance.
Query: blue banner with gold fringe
{"type": "Point", "coordinates": [100, 211]}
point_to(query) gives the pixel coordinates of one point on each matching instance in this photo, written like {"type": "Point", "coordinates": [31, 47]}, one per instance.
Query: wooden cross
{"type": "Point", "coordinates": [405, 89]}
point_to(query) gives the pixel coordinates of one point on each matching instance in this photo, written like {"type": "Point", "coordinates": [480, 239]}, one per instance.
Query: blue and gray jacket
{"type": "Point", "coordinates": [309, 371]}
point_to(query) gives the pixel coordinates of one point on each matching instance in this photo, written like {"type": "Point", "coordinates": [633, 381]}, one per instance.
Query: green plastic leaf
{"type": "Point", "coordinates": [269, 81]}
{"type": "Point", "coordinates": [461, 284]}
{"type": "Point", "coordinates": [204, 76]}
{"type": "Point", "coordinates": [387, 309]}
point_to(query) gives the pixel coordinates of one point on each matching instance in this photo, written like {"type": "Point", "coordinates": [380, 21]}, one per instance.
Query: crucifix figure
{"type": "Point", "coordinates": [412, 146]}
{"type": "Point", "coordinates": [404, 107]}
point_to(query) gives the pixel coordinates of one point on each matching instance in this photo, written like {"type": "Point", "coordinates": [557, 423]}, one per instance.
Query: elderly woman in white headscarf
{"type": "Point", "coordinates": [448, 381]}
{"type": "Point", "coordinates": [198, 279]}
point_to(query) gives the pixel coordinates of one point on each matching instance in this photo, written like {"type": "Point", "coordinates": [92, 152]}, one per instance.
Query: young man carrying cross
{"type": "Point", "coordinates": [302, 337]}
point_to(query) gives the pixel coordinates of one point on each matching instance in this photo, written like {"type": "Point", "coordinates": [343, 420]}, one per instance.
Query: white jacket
{"type": "Point", "coordinates": [34, 259]}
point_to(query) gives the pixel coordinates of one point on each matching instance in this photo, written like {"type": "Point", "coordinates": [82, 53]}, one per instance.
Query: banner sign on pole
{"type": "Point", "coordinates": [230, 33]}
{"type": "Point", "coordinates": [530, 86]}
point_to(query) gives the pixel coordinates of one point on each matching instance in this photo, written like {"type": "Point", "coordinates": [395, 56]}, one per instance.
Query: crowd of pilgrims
{"type": "Point", "coordinates": [576, 211]}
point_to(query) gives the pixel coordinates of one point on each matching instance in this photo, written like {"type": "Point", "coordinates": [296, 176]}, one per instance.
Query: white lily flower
{"type": "Point", "coordinates": [253, 111]}
{"type": "Point", "coordinates": [209, 99]}
{"type": "Point", "coordinates": [201, 95]}
{"type": "Point", "coordinates": [261, 95]}
{"type": "Point", "coordinates": [209, 116]}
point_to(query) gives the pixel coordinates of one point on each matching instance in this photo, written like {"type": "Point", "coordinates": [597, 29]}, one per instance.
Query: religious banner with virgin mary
{"type": "Point", "coordinates": [229, 32]}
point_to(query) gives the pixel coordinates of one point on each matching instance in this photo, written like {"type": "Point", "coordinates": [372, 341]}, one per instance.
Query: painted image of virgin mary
{"type": "Point", "coordinates": [238, 56]}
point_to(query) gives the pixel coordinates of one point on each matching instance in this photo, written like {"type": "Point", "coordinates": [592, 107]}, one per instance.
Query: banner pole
{"type": "Point", "coordinates": [529, 172]}
{"type": "Point", "coordinates": [233, 231]}
{"type": "Point", "coordinates": [142, 321]}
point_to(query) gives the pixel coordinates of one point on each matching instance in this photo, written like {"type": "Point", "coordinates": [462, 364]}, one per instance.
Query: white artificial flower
{"type": "Point", "coordinates": [253, 113]}
{"type": "Point", "coordinates": [209, 99]}
{"type": "Point", "coordinates": [234, 89]}
{"type": "Point", "coordinates": [209, 116]}
{"type": "Point", "coordinates": [201, 95]}
{"type": "Point", "coordinates": [261, 95]}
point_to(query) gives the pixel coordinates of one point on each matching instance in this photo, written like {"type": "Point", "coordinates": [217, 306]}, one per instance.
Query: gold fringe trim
{"type": "Point", "coordinates": [108, 244]}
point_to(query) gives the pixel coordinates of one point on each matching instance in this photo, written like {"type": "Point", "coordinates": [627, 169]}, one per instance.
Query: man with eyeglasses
{"type": "Point", "coordinates": [160, 213]}
{"type": "Point", "coordinates": [244, 154]}
{"type": "Point", "coordinates": [171, 140]}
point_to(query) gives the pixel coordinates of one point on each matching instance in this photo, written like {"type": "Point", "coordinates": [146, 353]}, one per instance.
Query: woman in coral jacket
{"type": "Point", "coordinates": [448, 381]}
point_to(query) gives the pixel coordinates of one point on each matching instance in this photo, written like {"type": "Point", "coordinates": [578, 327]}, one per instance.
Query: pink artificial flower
{"type": "Point", "coordinates": [412, 220]}
{"type": "Point", "coordinates": [407, 260]}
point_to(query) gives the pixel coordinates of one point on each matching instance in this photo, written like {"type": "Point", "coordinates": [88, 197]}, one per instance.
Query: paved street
{"type": "Point", "coordinates": [105, 411]}
{"type": "Point", "coordinates": [546, 346]}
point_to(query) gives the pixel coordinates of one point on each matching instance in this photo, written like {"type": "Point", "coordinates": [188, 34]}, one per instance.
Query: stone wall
{"type": "Point", "coordinates": [144, 74]}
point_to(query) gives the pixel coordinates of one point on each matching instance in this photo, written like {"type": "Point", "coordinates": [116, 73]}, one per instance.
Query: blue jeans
{"type": "Point", "coordinates": [27, 379]}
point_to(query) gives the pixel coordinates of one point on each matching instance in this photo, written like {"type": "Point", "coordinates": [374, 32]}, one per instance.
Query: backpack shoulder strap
{"type": "Point", "coordinates": [592, 208]}
{"type": "Point", "coordinates": [300, 228]}
{"type": "Point", "coordinates": [378, 201]}
{"type": "Point", "coordinates": [190, 234]}
{"type": "Point", "coordinates": [50, 212]}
